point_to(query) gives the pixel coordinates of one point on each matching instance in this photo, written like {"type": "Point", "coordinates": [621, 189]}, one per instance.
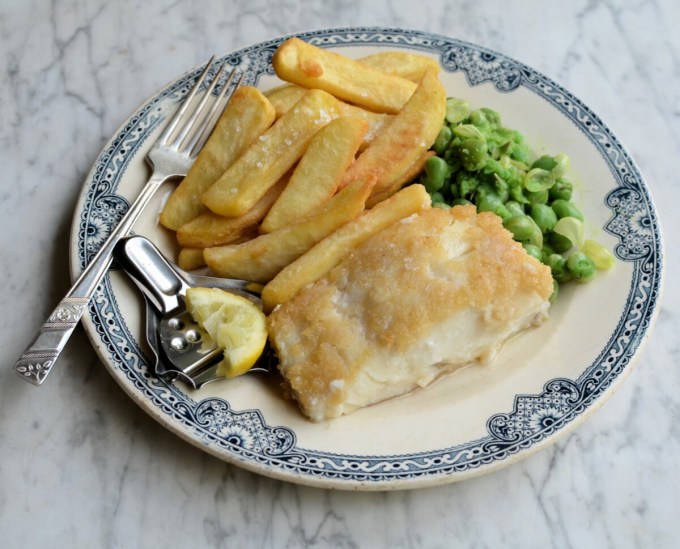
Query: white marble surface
{"type": "Point", "coordinates": [82, 466]}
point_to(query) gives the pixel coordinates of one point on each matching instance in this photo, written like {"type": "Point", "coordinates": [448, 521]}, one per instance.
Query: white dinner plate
{"type": "Point", "coordinates": [481, 418]}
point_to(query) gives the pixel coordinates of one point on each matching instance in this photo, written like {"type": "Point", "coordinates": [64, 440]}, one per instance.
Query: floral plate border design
{"type": "Point", "coordinates": [243, 436]}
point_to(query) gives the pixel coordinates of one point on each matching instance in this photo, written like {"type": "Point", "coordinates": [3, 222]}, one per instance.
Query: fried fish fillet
{"type": "Point", "coordinates": [434, 291]}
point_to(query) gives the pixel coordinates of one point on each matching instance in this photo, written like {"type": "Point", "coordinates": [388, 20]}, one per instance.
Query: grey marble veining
{"type": "Point", "coordinates": [82, 466]}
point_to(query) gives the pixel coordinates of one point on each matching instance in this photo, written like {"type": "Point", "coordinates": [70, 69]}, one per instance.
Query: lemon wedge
{"type": "Point", "coordinates": [235, 324]}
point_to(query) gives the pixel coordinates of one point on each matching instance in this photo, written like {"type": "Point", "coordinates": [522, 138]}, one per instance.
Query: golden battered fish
{"type": "Point", "coordinates": [434, 291]}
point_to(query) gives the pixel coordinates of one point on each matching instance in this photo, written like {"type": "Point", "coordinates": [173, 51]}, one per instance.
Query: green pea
{"type": "Point", "coordinates": [514, 207]}
{"type": "Point", "coordinates": [498, 188]}
{"type": "Point", "coordinates": [547, 249]}
{"type": "Point", "coordinates": [558, 267]}
{"type": "Point", "coordinates": [521, 152]}
{"type": "Point", "coordinates": [517, 137]}
{"type": "Point", "coordinates": [437, 197]}
{"type": "Point", "coordinates": [570, 228]}
{"type": "Point", "coordinates": [520, 227]}
{"type": "Point", "coordinates": [453, 191]}
{"type": "Point", "coordinates": [443, 140]}
{"type": "Point", "coordinates": [580, 266]}
{"type": "Point", "coordinates": [533, 251]}
{"type": "Point", "coordinates": [489, 202]}
{"type": "Point", "coordinates": [517, 194]}
{"type": "Point", "coordinates": [484, 188]}
{"type": "Point", "coordinates": [501, 188]}
{"type": "Point", "coordinates": [451, 158]}
{"type": "Point", "coordinates": [456, 110]}
{"type": "Point", "coordinates": [524, 229]}
{"type": "Point", "coordinates": [544, 216]}
{"type": "Point", "coordinates": [564, 208]}
{"type": "Point", "coordinates": [479, 120]}
{"type": "Point", "coordinates": [561, 190]}
{"type": "Point", "coordinates": [559, 243]}
{"type": "Point", "coordinates": [601, 256]}
{"type": "Point", "coordinates": [473, 154]}
{"type": "Point", "coordinates": [436, 172]}
{"type": "Point", "coordinates": [538, 197]}
{"type": "Point", "coordinates": [467, 184]}
{"type": "Point", "coordinates": [496, 168]}
{"type": "Point", "coordinates": [503, 135]}
{"type": "Point", "coordinates": [492, 116]}
{"type": "Point", "coordinates": [468, 131]}
{"type": "Point", "coordinates": [561, 165]}
{"type": "Point", "coordinates": [502, 212]}
{"type": "Point", "coordinates": [460, 202]}
{"type": "Point", "coordinates": [442, 205]}
{"type": "Point", "coordinates": [536, 237]}
{"type": "Point", "coordinates": [545, 162]}
{"type": "Point", "coordinates": [557, 165]}
{"type": "Point", "coordinates": [538, 179]}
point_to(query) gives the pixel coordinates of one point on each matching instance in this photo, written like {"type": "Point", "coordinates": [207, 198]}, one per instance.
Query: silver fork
{"type": "Point", "coordinates": [171, 156]}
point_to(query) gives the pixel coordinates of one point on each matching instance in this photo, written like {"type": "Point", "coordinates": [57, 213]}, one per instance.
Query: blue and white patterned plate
{"type": "Point", "coordinates": [542, 384]}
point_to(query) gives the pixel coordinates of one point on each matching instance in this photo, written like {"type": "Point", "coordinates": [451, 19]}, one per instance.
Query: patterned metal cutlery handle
{"type": "Point", "coordinates": [39, 357]}
{"type": "Point", "coordinates": [171, 155]}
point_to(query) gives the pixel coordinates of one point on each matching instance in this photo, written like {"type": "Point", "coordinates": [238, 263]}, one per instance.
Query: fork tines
{"type": "Point", "coordinates": [201, 121]}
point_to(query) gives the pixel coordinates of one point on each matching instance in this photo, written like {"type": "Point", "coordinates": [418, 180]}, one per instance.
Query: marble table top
{"type": "Point", "coordinates": [82, 466]}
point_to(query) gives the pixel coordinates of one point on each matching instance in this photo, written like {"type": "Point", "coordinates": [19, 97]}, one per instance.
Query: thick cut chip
{"type": "Point", "coordinates": [411, 66]}
{"type": "Point", "coordinates": [284, 97]}
{"type": "Point", "coordinates": [318, 174]}
{"type": "Point", "coordinates": [210, 229]}
{"type": "Point", "coordinates": [375, 121]}
{"type": "Point", "coordinates": [271, 155]}
{"type": "Point", "coordinates": [190, 259]}
{"type": "Point", "coordinates": [392, 153]}
{"type": "Point", "coordinates": [400, 179]}
{"type": "Point", "coordinates": [260, 259]}
{"type": "Point", "coordinates": [423, 297]}
{"type": "Point", "coordinates": [331, 250]}
{"type": "Point", "coordinates": [245, 118]}
{"type": "Point", "coordinates": [307, 65]}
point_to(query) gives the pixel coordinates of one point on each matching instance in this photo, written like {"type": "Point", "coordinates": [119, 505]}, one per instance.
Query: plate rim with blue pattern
{"type": "Point", "coordinates": [244, 436]}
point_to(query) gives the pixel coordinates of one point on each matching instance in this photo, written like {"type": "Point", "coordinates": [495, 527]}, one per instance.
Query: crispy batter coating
{"type": "Point", "coordinates": [427, 294]}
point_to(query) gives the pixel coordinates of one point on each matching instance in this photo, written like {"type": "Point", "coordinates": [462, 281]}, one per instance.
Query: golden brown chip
{"type": "Point", "coordinates": [393, 152]}
{"type": "Point", "coordinates": [284, 97]}
{"type": "Point", "coordinates": [210, 229]}
{"type": "Point", "coordinates": [391, 187]}
{"type": "Point", "coordinates": [260, 259]}
{"type": "Point", "coordinates": [271, 155]}
{"type": "Point", "coordinates": [245, 118]}
{"type": "Point", "coordinates": [411, 66]}
{"type": "Point", "coordinates": [307, 65]}
{"type": "Point", "coordinates": [190, 259]}
{"type": "Point", "coordinates": [318, 174]}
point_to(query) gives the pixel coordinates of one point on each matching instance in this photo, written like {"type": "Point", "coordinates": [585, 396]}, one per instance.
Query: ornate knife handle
{"type": "Point", "coordinates": [39, 357]}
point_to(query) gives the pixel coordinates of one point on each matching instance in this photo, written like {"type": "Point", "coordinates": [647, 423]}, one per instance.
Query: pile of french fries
{"type": "Point", "coordinates": [292, 180]}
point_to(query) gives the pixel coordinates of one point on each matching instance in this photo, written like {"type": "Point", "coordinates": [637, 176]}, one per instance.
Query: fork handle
{"type": "Point", "coordinates": [40, 356]}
